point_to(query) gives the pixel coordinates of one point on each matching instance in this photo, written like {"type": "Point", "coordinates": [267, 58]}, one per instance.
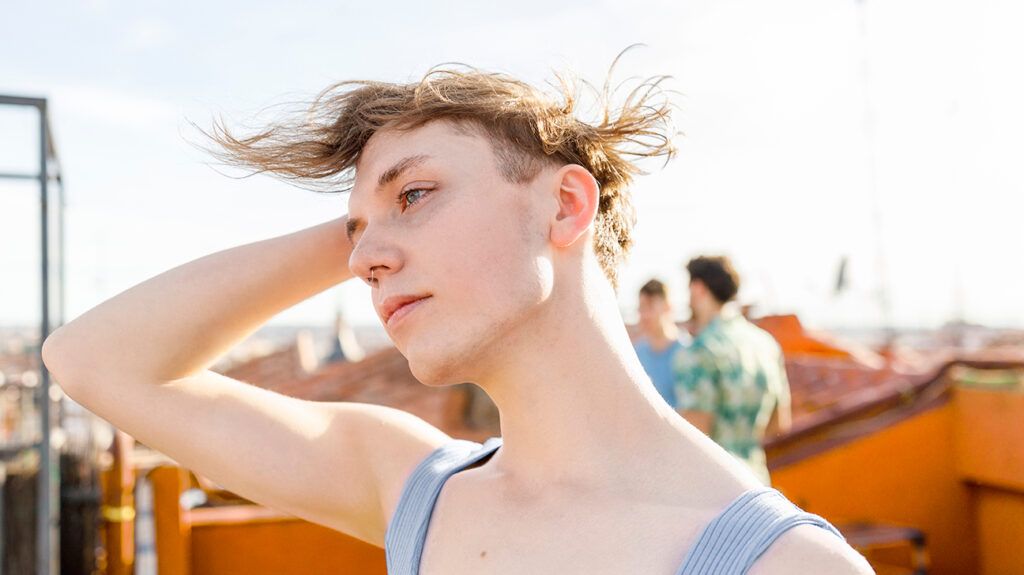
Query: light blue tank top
{"type": "Point", "coordinates": [728, 545]}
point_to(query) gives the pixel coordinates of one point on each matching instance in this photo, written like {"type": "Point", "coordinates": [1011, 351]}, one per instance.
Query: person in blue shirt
{"type": "Point", "coordinates": [660, 339]}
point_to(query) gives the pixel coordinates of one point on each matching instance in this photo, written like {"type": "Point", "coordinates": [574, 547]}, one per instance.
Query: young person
{"type": "Point", "coordinates": [731, 381]}
{"type": "Point", "coordinates": [660, 339]}
{"type": "Point", "coordinates": [489, 222]}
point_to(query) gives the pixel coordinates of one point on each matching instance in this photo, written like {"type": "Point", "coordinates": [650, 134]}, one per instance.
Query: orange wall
{"type": "Point", "coordinates": [904, 474]}
{"type": "Point", "coordinates": [989, 425]}
{"type": "Point", "coordinates": [1001, 523]}
{"type": "Point", "coordinates": [280, 547]}
{"type": "Point", "coordinates": [248, 539]}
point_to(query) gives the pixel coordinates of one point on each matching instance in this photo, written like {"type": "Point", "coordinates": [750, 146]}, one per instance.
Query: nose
{"type": "Point", "coordinates": [374, 256]}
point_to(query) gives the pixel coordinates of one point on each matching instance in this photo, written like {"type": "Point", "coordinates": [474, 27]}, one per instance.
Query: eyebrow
{"type": "Point", "coordinates": [389, 175]}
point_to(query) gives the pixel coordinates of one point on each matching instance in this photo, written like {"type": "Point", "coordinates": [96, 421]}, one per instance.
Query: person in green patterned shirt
{"type": "Point", "coordinates": [731, 381]}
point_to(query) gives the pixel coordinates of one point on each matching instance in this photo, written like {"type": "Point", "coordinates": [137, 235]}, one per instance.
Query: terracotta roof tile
{"type": "Point", "coordinates": [382, 378]}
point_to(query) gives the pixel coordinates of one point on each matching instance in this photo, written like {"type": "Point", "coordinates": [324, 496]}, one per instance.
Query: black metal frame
{"type": "Point", "coordinates": [48, 503]}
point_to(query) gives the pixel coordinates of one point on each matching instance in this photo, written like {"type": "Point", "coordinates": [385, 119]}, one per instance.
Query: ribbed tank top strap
{"type": "Point", "coordinates": [407, 532]}
{"type": "Point", "coordinates": [734, 540]}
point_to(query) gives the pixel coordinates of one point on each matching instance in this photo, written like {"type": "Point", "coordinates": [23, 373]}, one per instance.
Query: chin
{"type": "Point", "coordinates": [436, 365]}
{"type": "Point", "coordinates": [460, 350]}
{"type": "Point", "coordinates": [437, 373]}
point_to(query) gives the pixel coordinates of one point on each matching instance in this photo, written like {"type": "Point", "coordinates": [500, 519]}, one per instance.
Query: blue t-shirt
{"type": "Point", "coordinates": [658, 365]}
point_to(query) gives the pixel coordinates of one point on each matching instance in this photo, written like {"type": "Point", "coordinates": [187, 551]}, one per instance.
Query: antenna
{"type": "Point", "coordinates": [884, 303]}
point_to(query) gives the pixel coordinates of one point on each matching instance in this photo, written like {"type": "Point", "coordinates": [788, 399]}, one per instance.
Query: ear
{"type": "Point", "coordinates": [578, 200]}
{"type": "Point", "coordinates": [697, 287]}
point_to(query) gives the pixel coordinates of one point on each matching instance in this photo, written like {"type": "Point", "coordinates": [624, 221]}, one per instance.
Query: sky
{"type": "Point", "coordinates": [886, 133]}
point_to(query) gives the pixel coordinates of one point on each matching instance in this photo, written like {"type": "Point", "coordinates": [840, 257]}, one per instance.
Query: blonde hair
{"type": "Point", "coordinates": [527, 129]}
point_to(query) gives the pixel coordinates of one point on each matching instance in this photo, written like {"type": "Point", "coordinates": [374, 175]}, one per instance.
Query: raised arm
{"type": "Point", "coordinates": [141, 360]}
{"type": "Point", "coordinates": [178, 323]}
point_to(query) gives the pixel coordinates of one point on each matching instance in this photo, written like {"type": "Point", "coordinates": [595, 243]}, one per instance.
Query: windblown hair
{"type": "Point", "coordinates": [527, 129]}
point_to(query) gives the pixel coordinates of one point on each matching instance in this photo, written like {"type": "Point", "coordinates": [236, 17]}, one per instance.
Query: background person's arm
{"type": "Point", "coordinates": [773, 429]}
{"type": "Point", "coordinates": [784, 409]}
{"type": "Point", "coordinates": [781, 420]}
{"type": "Point", "coordinates": [141, 360]}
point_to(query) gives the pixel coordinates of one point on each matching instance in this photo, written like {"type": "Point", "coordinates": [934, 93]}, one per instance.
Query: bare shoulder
{"type": "Point", "coordinates": [810, 549]}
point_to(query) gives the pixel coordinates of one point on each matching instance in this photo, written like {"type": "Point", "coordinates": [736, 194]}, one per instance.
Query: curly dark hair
{"type": "Point", "coordinates": [717, 273]}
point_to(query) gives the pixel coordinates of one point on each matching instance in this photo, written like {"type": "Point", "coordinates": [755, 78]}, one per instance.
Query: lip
{"type": "Point", "coordinates": [394, 308]}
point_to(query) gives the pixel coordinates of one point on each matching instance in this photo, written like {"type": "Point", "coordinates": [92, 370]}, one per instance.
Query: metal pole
{"type": "Point", "coordinates": [48, 480]}
{"type": "Point", "coordinates": [3, 480]}
{"type": "Point", "coordinates": [61, 244]}
{"type": "Point", "coordinates": [46, 521]}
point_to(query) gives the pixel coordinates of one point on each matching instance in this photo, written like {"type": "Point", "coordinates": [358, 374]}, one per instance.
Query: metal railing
{"type": "Point", "coordinates": [48, 500]}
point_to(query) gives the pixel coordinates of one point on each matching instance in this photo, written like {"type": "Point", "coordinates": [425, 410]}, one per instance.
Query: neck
{"type": "Point", "coordinates": [706, 314]}
{"type": "Point", "coordinates": [576, 405]}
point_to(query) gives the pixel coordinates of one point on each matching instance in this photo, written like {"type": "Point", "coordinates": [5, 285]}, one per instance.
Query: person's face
{"type": "Point", "coordinates": [652, 309]}
{"type": "Point", "coordinates": [440, 227]}
{"type": "Point", "coordinates": [697, 293]}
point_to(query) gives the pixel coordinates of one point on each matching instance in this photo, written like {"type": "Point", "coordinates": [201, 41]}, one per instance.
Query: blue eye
{"type": "Point", "coordinates": [411, 197]}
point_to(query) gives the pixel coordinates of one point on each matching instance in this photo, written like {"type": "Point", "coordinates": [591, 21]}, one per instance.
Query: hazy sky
{"type": "Point", "coordinates": [774, 169]}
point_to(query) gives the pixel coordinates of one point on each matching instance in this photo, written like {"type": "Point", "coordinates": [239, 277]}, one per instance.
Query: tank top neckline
{"type": "Point", "coordinates": [740, 532]}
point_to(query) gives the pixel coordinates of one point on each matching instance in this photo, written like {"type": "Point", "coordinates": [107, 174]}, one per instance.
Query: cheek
{"type": "Point", "coordinates": [494, 250]}
{"type": "Point", "coordinates": [492, 272]}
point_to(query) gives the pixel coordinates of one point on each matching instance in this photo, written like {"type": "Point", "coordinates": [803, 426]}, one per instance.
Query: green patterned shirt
{"type": "Point", "coordinates": [734, 370]}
